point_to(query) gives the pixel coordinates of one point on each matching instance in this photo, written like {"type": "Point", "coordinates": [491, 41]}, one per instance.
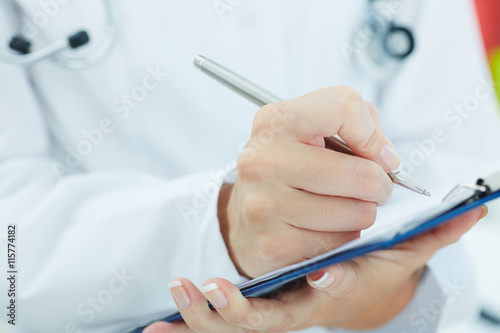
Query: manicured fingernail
{"type": "Point", "coordinates": [180, 295]}
{"type": "Point", "coordinates": [324, 281]}
{"type": "Point", "coordinates": [485, 211]}
{"type": "Point", "coordinates": [215, 295]}
{"type": "Point", "coordinates": [390, 159]}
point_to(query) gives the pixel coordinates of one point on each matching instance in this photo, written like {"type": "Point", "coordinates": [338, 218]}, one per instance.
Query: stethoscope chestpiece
{"type": "Point", "coordinates": [398, 42]}
{"type": "Point", "coordinates": [381, 46]}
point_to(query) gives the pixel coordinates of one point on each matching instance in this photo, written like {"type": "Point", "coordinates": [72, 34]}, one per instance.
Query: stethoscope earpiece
{"type": "Point", "coordinates": [79, 39]}
{"type": "Point", "coordinates": [20, 44]}
{"type": "Point", "coordinates": [23, 46]}
{"type": "Point", "coordinates": [26, 53]}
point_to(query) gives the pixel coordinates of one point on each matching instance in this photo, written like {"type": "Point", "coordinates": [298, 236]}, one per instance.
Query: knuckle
{"type": "Point", "coordinates": [388, 188]}
{"type": "Point", "coordinates": [266, 248]}
{"type": "Point", "coordinates": [373, 181]}
{"type": "Point", "coordinates": [385, 187]}
{"type": "Point", "coordinates": [236, 320]}
{"type": "Point", "coordinates": [349, 285]}
{"type": "Point", "coordinates": [368, 175]}
{"type": "Point", "coordinates": [270, 249]}
{"type": "Point", "coordinates": [196, 325]}
{"type": "Point", "coordinates": [261, 119]}
{"type": "Point", "coordinates": [244, 330]}
{"type": "Point", "coordinates": [336, 239]}
{"type": "Point", "coordinates": [247, 166]}
{"type": "Point", "coordinates": [366, 215]}
{"type": "Point", "coordinates": [445, 239]}
{"type": "Point", "coordinates": [250, 208]}
{"type": "Point", "coordinates": [254, 165]}
{"type": "Point", "coordinates": [271, 122]}
{"type": "Point", "coordinates": [370, 143]}
{"type": "Point", "coordinates": [263, 116]}
{"type": "Point", "coordinates": [283, 325]}
{"type": "Point", "coordinates": [350, 100]}
{"type": "Point", "coordinates": [372, 109]}
{"type": "Point", "coordinates": [452, 240]}
{"type": "Point", "coordinates": [374, 113]}
{"type": "Point", "coordinates": [254, 320]}
{"type": "Point", "coordinates": [257, 161]}
{"type": "Point", "coordinates": [256, 207]}
{"type": "Point", "coordinates": [350, 94]}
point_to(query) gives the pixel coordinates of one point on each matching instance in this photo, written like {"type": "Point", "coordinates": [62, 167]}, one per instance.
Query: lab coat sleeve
{"type": "Point", "coordinates": [96, 250]}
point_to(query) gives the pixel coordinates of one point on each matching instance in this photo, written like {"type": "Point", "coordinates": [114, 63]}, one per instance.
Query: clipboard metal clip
{"type": "Point", "coordinates": [465, 192]}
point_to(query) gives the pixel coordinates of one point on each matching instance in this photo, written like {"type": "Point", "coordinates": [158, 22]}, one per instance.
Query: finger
{"type": "Point", "coordinates": [341, 175]}
{"type": "Point", "coordinates": [325, 213]}
{"type": "Point", "coordinates": [250, 313]}
{"type": "Point", "coordinates": [452, 231]}
{"type": "Point", "coordinates": [194, 308]}
{"type": "Point", "coordinates": [341, 280]}
{"type": "Point", "coordinates": [289, 245]}
{"type": "Point", "coordinates": [323, 171]}
{"type": "Point", "coordinates": [342, 111]}
{"type": "Point", "coordinates": [374, 113]}
{"type": "Point", "coordinates": [163, 327]}
{"type": "Point", "coordinates": [419, 250]}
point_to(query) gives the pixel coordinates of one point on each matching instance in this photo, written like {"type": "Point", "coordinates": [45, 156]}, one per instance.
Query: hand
{"type": "Point", "coordinates": [293, 199]}
{"type": "Point", "coordinates": [361, 294]}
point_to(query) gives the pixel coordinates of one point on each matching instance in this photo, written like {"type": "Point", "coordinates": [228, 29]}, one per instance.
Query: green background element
{"type": "Point", "coordinates": [495, 69]}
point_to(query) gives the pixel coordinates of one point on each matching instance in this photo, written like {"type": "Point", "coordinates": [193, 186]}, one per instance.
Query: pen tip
{"type": "Point", "coordinates": [427, 193]}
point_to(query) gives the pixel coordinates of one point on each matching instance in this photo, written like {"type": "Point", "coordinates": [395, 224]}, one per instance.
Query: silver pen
{"type": "Point", "coordinates": [261, 97]}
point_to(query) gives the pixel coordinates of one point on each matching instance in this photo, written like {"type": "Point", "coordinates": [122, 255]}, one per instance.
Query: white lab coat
{"type": "Point", "coordinates": [114, 197]}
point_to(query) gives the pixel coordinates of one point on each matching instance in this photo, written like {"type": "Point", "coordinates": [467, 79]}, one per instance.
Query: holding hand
{"type": "Point", "coordinates": [361, 294]}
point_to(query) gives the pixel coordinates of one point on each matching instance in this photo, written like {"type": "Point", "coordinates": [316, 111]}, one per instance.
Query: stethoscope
{"type": "Point", "coordinates": [379, 46]}
{"type": "Point", "coordinates": [385, 44]}
{"type": "Point", "coordinates": [22, 52]}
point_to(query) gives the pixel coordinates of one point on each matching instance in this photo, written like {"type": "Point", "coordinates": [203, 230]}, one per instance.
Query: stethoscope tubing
{"type": "Point", "coordinates": [54, 51]}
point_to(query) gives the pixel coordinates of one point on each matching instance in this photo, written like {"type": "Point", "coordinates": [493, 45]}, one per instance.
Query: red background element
{"type": "Point", "coordinates": [489, 18]}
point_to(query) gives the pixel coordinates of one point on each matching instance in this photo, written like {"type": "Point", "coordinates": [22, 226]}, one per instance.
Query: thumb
{"type": "Point", "coordinates": [341, 110]}
{"type": "Point", "coordinates": [341, 280]}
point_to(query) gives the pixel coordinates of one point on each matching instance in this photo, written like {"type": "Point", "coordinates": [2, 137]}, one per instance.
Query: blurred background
{"type": "Point", "coordinates": [483, 241]}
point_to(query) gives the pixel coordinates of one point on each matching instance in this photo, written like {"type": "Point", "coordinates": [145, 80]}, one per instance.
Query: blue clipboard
{"type": "Point", "coordinates": [462, 198]}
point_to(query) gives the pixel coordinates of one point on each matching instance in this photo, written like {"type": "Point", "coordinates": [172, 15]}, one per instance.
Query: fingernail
{"type": "Point", "coordinates": [215, 295]}
{"type": "Point", "coordinates": [390, 159]}
{"type": "Point", "coordinates": [485, 211]}
{"type": "Point", "coordinates": [180, 295]}
{"type": "Point", "coordinates": [324, 281]}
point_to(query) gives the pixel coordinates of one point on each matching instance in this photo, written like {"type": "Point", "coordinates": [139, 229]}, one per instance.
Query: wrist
{"type": "Point", "coordinates": [224, 213]}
